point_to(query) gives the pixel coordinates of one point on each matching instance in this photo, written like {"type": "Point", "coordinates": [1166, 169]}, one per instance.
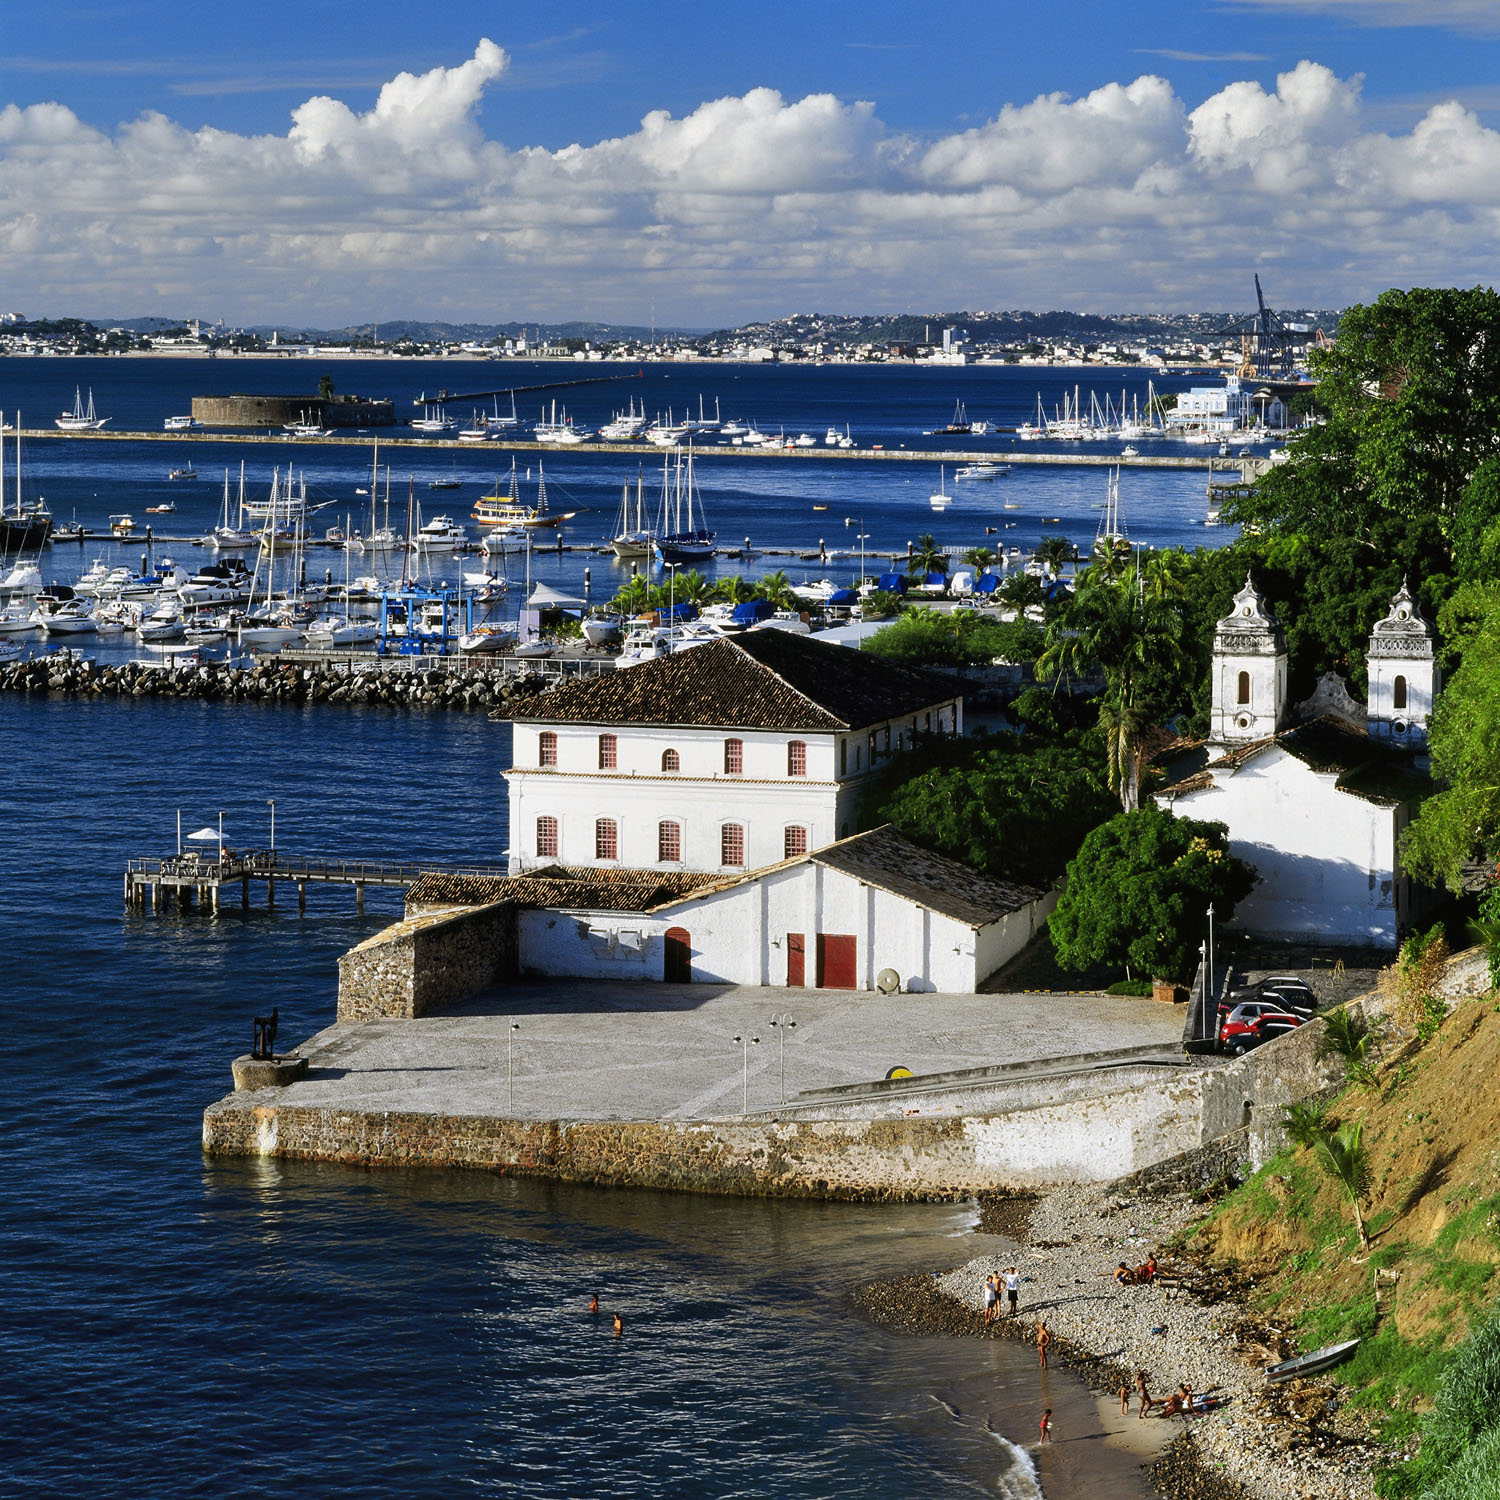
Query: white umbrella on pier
{"type": "Point", "coordinates": [204, 836]}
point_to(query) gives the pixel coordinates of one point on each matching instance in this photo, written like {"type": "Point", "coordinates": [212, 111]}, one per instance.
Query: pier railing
{"type": "Point", "coordinates": [262, 864]}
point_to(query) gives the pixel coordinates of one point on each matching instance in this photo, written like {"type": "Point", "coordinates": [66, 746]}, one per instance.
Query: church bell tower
{"type": "Point", "coordinates": [1404, 677]}
{"type": "Point", "coordinates": [1249, 667]}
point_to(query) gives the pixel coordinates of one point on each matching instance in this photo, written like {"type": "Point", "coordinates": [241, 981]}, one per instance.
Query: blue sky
{"type": "Point", "coordinates": [334, 161]}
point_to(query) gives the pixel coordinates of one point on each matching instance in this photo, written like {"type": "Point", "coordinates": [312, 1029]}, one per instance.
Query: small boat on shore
{"type": "Point", "coordinates": [1311, 1363]}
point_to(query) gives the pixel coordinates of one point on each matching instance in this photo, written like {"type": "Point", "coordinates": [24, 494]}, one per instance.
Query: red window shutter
{"type": "Point", "coordinates": [606, 839]}
{"type": "Point", "coordinates": [734, 757]}
{"type": "Point", "coordinates": [546, 750]}
{"type": "Point", "coordinates": [608, 752]}
{"type": "Point", "coordinates": [733, 845]}
{"type": "Point", "coordinates": [796, 758]}
{"type": "Point", "coordinates": [669, 843]}
{"type": "Point", "coordinates": [546, 836]}
{"type": "Point", "coordinates": [795, 842]}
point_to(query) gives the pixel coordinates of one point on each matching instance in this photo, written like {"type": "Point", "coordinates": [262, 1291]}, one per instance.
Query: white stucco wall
{"type": "Point", "coordinates": [700, 796]}
{"type": "Point", "coordinates": [1326, 859]}
{"type": "Point", "coordinates": [739, 936]}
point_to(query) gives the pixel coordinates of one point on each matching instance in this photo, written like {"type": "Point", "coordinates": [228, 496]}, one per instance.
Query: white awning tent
{"type": "Point", "coordinates": [204, 836]}
{"type": "Point", "coordinates": [543, 596]}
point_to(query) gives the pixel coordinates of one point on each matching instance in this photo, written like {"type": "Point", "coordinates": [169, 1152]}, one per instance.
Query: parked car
{"type": "Point", "coordinates": [1253, 1022]}
{"type": "Point", "coordinates": [1282, 994]}
{"type": "Point", "coordinates": [1297, 992]}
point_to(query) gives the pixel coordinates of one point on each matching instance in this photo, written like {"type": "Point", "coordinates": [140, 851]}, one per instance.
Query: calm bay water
{"type": "Point", "coordinates": [179, 1327]}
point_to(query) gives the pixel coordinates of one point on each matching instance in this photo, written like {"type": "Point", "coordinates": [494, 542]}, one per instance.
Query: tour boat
{"type": "Point", "coordinates": [440, 534]}
{"type": "Point", "coordinates": [981, 471]}
{"type": "Point", "coordinates": [507, 510]}
{"type": "Point", "coordinates": [79, 419]}
{"type": "Point", "coordinates": [305, 427]}
{"type": "Point", "coordinates": [960, 426]}
{"type": "Point", "coordinates": [181, 424]}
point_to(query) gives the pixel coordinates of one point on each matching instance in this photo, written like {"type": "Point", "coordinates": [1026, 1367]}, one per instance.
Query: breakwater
{"type": "Point", "coordinates": [436, 686]}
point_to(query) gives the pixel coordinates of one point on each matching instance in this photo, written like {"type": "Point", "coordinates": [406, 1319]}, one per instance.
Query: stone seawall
{"type": "Point", "coordinates": [428, 685]}
{"type": "Point", "coordinates": [424, 964]}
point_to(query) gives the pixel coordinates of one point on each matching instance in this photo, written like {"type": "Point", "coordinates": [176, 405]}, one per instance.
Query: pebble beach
{"type": "Point", "coordinates": [1250, 1447]}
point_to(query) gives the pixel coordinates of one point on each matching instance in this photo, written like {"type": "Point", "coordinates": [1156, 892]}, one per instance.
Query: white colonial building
{"type": "Point", "coordinates": [723, 758]}
{"type": "Point", "coordinates": [1317, 807]}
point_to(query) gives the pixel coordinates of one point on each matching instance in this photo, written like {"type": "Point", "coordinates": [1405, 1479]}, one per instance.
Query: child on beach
{"type": "Point", "coordinates": [1043, 1339]}
{"type": "Point", "coordinates": [1046, 1426]}
{"type": "Point", "coordinates": [1124, 1398]}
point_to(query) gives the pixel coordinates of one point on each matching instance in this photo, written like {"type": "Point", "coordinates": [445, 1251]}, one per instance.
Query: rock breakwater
{"type": "Point", "coordinates": [454, 689]}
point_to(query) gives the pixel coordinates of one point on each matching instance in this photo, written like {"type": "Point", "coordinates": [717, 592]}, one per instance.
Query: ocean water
{"type": "Point", "coordinates": [179, 1327]}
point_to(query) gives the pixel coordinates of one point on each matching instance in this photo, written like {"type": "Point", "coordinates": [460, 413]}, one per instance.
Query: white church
{"type": "Point", "coordinates": [1316, 797]}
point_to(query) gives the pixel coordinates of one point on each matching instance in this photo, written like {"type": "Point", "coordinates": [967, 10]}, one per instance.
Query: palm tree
{"type": "Point", "coordinates": [776, 589]}
{"type": "Point", "coordinates": [980, 558]}
{"type": "Point", "coordinates": [735, 589]}
{"type": "Point", "coordinates": [1343, 1156]}
{"type": "Point", "coordinates": [634, 596]}
{"type": "Point", "coordinates": [1124, 725]}
{"type": "Point", "coordinates": [1109, 562]}
{"type": "Point", "coordinates": [1350, 1037]}
{"type": "Point", "coordinates": [927, 557]}
{"type": "Point", "coordinates": [1053, 551]}
{"type": "Point", "coordinates": [692, 587]}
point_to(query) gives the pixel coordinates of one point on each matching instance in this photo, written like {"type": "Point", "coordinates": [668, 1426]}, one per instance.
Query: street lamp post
{"type": "Point", "coordinates": [221, 836]}
{"type": "Point", "coordinates": [1212, 989]}
{"type": "Point", "coordinates": [510, 1036]}
{"type": "Point", "coordinates": [1202, 1029]}
{"type": "Point", "coordinates": [859, 643]}
{"type": "Point", "coordinates": [783, 1024]}
{"type": "Point", "coordinates": [746, 1043]}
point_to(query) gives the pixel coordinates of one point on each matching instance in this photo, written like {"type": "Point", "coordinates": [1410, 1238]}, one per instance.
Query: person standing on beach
{"type": "Point", "coordinates": [1046, 1426]}
{"type": "Point", "coordinates": [1146, 1401]}
{"type": "Point", "coordinates": [1043, 1339]}
{"type": "Point", "coordinates": [1013, 1290]}
{"type": "Point", "coordinates": [1124, 1398]}
{"type": "Point", "coordinates": [991, 1297]}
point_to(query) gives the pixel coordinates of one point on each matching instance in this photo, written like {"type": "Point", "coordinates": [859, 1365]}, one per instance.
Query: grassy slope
{"type": "Point", "coordinates": [1432, 1129]}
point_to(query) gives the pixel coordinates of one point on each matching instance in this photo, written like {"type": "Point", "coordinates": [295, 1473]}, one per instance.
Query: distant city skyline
{"type": "Point", "coordinates": [609, 162]}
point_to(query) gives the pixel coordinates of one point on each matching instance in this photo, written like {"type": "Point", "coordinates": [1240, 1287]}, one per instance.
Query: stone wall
{"type": "Point", "coordinates": [429, 961]}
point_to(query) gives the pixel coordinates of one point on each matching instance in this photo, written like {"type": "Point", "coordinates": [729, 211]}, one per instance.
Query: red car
{"type": "Point", "coordinates": [1252, 1023]}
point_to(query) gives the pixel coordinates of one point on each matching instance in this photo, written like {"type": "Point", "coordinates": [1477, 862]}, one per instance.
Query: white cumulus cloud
{"type": "Point", "coordinates": [744, 206]}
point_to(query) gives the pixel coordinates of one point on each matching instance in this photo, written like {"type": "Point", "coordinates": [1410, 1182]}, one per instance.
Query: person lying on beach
{"type": "Point", "coordinates": [1171, 1406]}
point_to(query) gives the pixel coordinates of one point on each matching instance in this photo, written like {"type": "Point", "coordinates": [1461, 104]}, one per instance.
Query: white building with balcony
{"type": "Point", "coordinates": [723, 758]}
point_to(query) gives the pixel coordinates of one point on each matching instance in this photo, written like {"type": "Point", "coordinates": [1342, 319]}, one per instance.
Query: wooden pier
{"type": "Point", "coordinates": [193, 879]}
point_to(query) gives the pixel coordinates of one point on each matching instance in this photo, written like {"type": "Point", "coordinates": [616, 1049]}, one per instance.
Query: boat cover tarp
{"type": "Point", "coordinates": [893, 582]}
{"type": "Point", "coordinates": [986, 584]}
{"type": "Point", "coordinates": [676, 613]}
{"type": "Point", "coordinates": [753, 612]}
{"type": "Point", "coordinates": [936, 578]}
{"type": "Point", "coordinates": [842, 596]}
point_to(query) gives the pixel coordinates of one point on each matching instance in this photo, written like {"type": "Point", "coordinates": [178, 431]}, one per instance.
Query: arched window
{"type": "Point", "coordinates": [546, 836]}
{"type": "Point", "coordinates": [732, 845]}
{"type": "Point", "coordinates": [734, 757]}
{"type": "Point", "coordinates": [1244, 688]}
{"type": "Point", "coordinates": [546, 748]}
{"type": "Point", "coordinates": [671, 760]}
{"type": "Point", "coordinates": [609, 748]}
{"type": "Point", "coordinates": [606, 839]}
{"type": "Point", "coordinates": [1398, 693]}
{"type": "Point", "coordinates": [795, 842]}
{"type": "Point", "coordinates": [796, 758]}
{"type": "Point", "coordinates": [669, 843]}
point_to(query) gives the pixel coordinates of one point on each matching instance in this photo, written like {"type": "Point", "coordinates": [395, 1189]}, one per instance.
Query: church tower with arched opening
{"type": "Point", "coordinates": [1404, 676]}
{"type": "Point", "coordinates": [1249, 667]}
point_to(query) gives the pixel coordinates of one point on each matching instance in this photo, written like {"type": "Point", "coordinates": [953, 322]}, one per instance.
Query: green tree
{"type": "Point", "coordinates": [1412, 393]}
{"type": "Point", "coordinates": [1012, 808]}
{"type": "Point", "coordinates": [1343, 1155]}
{"type": "Point", "coordinates": [1138, 889]}
{"type": "Point", "coordinates": [927, 557]}
{"type": "Point", "coordinates": [980, 558]}
{"type": "Point", "coordinates": [1462, 821]}
{"type": "Point", "coordinates": [325, 388]}
{"type": "Point", "coordinates": [776, 589]}
{"type": "Point", "coordinates": [735, 590]}
{"type": "Point", "coordinates": [1054, 552]}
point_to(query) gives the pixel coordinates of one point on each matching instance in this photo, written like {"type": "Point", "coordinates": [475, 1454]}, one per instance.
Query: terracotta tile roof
{"type": "Point", "coordinates": [1330, 746]}
{"type": "Point", "coordinates": [564, 885]}
{"type": "Point", "coordinates": [764, 679]}
{"type": "Point", "coordinates": [891, 862]}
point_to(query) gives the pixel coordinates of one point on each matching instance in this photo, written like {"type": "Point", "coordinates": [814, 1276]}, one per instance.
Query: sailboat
{"type": "Point", "coordinates": [1111, 535]}
{"type": "Point", "coordinates": [496, 423]}
{"type": "Point", "coordinates": [27, 527]}
{"type": "Point", "coordinates": [941, 499]}
{"type": "Point", "coordinates": [79, 420]}
{"type": "Point", "coordinates": [684, 537]}
{"type": "Point", "coordinates": [381, 538]}
{"type": "Point", "coordinates": [633, 537]}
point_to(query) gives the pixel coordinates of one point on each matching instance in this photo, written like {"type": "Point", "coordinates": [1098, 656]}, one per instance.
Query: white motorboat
{"type": "Point", "coordinates": [382, 539]}
{"type": "Point", "coordinates": [504, 539]}
{"type": "Point", "coordinates": [534, 648]}
{"type": "Point", "coordinates": [492, 637]}
{"type": "Point", "coordinates": [267, 631]}
{"type": "Point", "coordinates": [81, 419]}
{"type": "Point", "coordinates": [601, 630]}
{"type": "Point", "coordinates": [90, 582]}
{"type": "Point", "coordinates": [9, 650]}
{"type": "Point", "coordinates": [164, 623]}
{"type": "Point", "coordinates": [440, 534]}
{"type": "Point", "coordinates": [982, 470]}
{"type": "Point", "coordinates": [339, 631]}
{"type": "Point", "coordinates": [64, 616]}
{"type": "Point", "coordinates": [23, 581]}
{"type": "Point", "coordinates": [181, 424]}
{"type": "Point", "coordinates": [15, 619]}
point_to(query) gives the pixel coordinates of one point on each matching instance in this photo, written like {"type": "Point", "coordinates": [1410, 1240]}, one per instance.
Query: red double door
{"type": "Point", "coordinates": [837, 961]}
